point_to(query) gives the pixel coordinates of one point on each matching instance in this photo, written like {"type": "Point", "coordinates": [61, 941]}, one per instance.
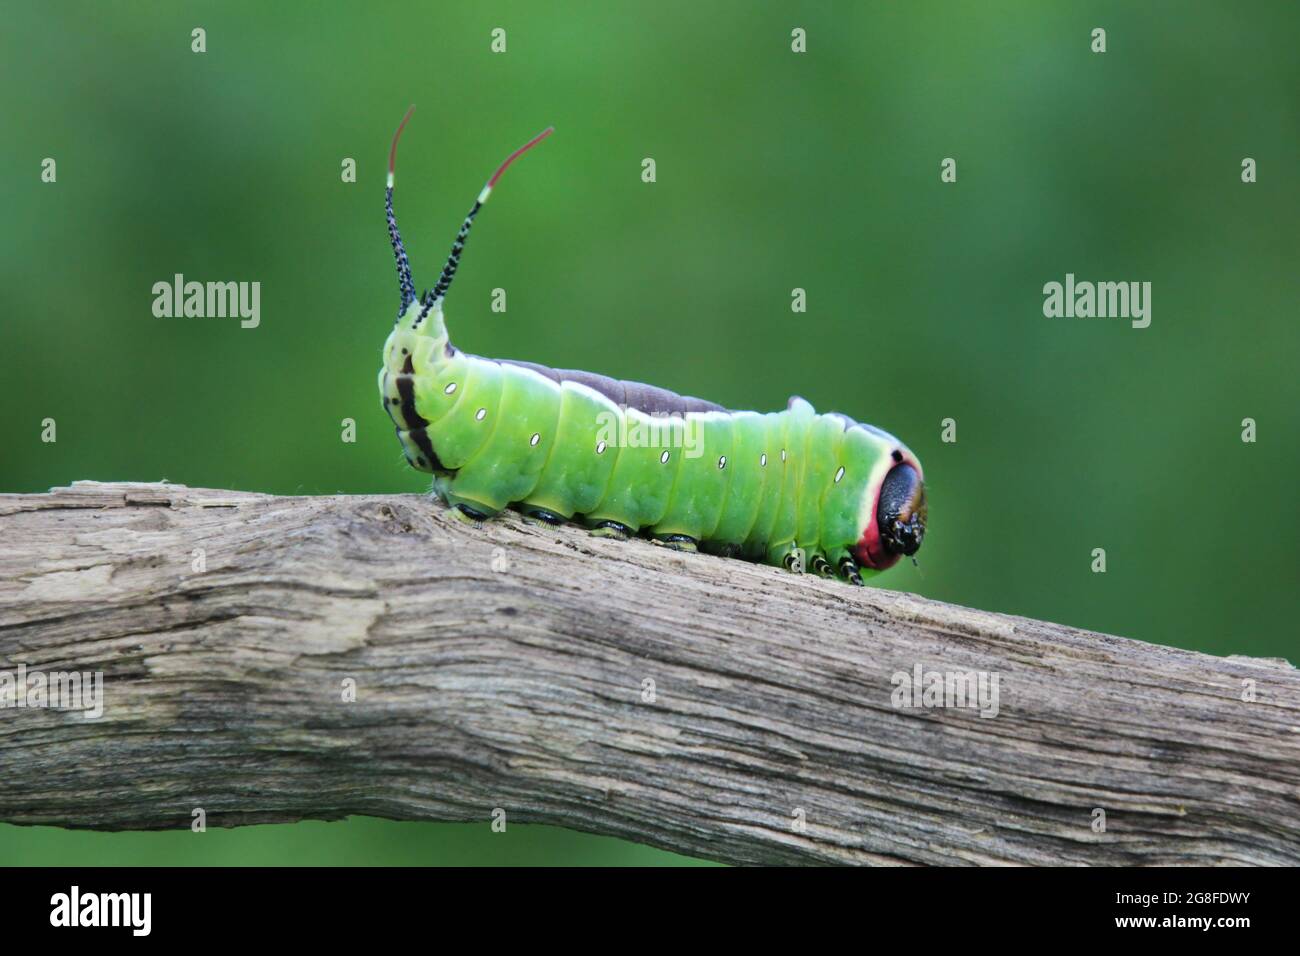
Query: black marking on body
{"type": "Point", "coordinates": [416, 425]}
{"type": "Point", "coordinates": [406, 392]}
{"type": "Point", "coordinates": [421, 439]}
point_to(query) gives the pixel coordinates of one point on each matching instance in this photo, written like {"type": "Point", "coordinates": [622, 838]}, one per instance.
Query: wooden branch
{"type": "Point", "coordinates": [712, 707]}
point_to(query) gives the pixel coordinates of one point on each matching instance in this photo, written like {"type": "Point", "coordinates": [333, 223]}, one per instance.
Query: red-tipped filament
{"type": "Point", "coordinates": [392, 150]}
{"type": "Point", "coordinates": [513, 156]}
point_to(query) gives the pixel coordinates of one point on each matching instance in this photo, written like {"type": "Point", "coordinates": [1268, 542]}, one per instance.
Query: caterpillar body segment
{"type": "Point", "coordinates": [792, 488]}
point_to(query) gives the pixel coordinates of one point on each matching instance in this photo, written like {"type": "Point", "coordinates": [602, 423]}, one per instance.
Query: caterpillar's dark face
{"type": "Point", "coordinates": [898, 523]}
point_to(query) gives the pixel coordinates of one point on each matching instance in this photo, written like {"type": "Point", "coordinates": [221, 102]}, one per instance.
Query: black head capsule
{"type": "Point", "coordinates": [901, 513]}
{"type": "Point", "coordinates": [898, 524]}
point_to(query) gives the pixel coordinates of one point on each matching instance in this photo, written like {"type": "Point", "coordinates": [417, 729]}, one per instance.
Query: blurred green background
{"type": "Point", "coordinates": [775, 170]}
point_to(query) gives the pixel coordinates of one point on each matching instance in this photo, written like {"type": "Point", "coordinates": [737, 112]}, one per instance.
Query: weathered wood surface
{"type": "Point", "coordinates": [507, 666]}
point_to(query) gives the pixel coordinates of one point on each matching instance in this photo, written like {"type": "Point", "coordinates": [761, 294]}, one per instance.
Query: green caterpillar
{"type": "Point", "coordinates": [790, 488]}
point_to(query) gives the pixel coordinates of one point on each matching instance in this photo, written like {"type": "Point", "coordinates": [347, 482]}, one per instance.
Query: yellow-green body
{"type": "Point", "coordinates": [497, 434]}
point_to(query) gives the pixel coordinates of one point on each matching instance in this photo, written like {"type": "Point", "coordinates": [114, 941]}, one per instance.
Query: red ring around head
{"type": "Point", "coordinates": [869, 551]}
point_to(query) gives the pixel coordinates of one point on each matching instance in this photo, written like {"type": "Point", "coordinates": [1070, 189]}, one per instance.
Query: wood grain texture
{"type": "Point", "coordinates": [506, 666]}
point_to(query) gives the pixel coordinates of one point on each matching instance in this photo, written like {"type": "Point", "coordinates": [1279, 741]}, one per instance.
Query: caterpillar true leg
{"type": "Point", "coordinates": [843, 564]}
{"type": "Point", "coordinates": [850, 571]}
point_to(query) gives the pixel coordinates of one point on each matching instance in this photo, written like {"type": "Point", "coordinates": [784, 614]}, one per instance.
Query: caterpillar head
{"type": "Point", "coordinates": [897, 512]}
